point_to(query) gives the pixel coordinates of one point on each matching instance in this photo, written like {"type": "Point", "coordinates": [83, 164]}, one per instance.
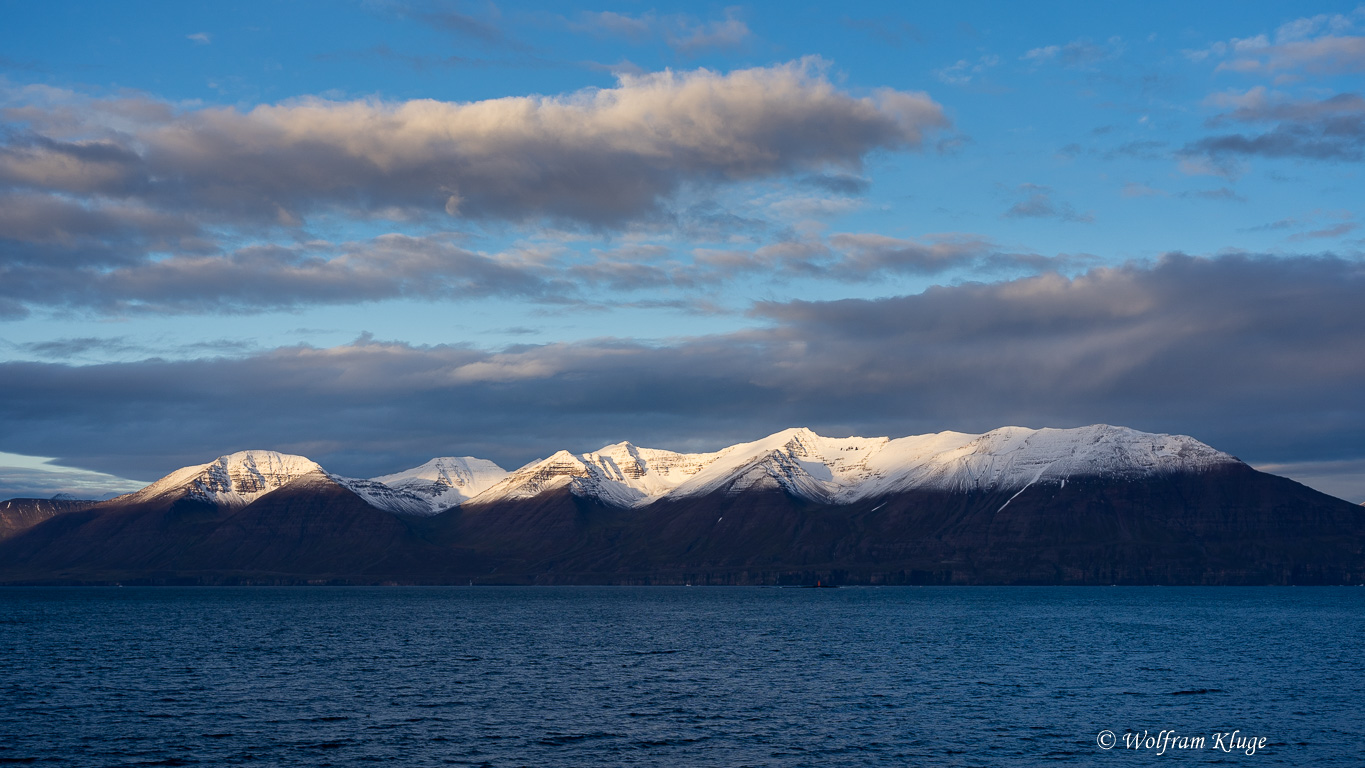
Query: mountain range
{"type": "Point", "coordinates": [1092, 505]}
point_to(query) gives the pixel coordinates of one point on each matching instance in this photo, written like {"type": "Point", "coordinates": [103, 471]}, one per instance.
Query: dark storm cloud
{"type": "Point", "coordinates": [600, 157]}
{"type": "Point", "coordinates": [1254, 355]}
{"type": "Point", "coordinates": [1328, 129]}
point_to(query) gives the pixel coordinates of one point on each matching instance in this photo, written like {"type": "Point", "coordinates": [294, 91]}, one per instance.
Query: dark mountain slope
{"type": "Point", "coordinates": [1226, 525]}
{"type": "Point", "coordinates": [18, 515]}
{"type": "Point", "coordinates": [1232, 525]}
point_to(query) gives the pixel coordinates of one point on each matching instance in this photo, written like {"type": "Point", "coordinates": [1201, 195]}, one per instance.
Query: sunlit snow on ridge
{"type": "Point", "coordinates": [797, 461]}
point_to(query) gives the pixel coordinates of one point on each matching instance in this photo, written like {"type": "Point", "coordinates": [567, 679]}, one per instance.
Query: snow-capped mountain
{"type": "Point", "coordinates": [622, 475]}
{"type": "Point", "coordinates": [845, 470]}
{"type": "Point", "coordinates": [238, 479]}
{"type": "Point", "coordinates": [232, 481]}
{"type": "Point", "coordinates": [445, 482]}
{"type": "Point", "coordinates": [798, 461]}
{"type": "Point", "coordinates": [1094, 505]}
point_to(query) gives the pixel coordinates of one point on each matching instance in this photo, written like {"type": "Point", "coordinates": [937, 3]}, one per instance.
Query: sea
{"type": "Point", "coordinates": [679, 676]}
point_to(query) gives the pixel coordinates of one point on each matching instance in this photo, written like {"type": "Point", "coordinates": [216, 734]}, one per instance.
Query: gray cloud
{"type": "Point", "coordinates": [76, 347]}
{"type": "Point", "coordinates": [54, 230]}
{"type": "Point", "coordinates": [887, 29]}
{"type": "Point", "coordinates": [965, 71]}
{"type": "Point", "coordinates": [437, 267]}
{"type": "Point", "coordinates": [1326, 55]}
{"type": "Point", "coordinates": [1145, 149]}
{"type": "Point", "coordinates": [600, 157]}
{"type": "Point", "coordinates": [1082, 53]}
{"type": "Point", "coordinates": [450, 18]}
{"type": "Point", "coordinates": [865, 256]}
{"type": "Point", "coordinates": [839, 183]}
{"type": "Point", "coordinates": [1036, 203]}
{"type": "Point", "coordinates": [423, 63]}
{"type": "Point", "coordinates": [1329, 129]}
{"type": "Point", "coordinates": [1320, 45]}
{"type": "Point", "coordinates": [1334, 231]}
{"type": "Point", "coordinates": [269, 277]}
{"type": "Point", "coordinates": [684, 34]}
{"type": "Point", "coordinates": [1251, 354]}
{"type": "Point", "coordinates": [1221, 193]}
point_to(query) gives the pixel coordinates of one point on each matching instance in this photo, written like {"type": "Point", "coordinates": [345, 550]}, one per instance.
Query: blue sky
{"type": "Point", "coordinates": [375, 232]}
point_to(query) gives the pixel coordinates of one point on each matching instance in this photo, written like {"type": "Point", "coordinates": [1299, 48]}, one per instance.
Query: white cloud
{"type": "Point", "coordinates": [1322, 44]}
{"type": "Point", "coordinates": [964, 71]}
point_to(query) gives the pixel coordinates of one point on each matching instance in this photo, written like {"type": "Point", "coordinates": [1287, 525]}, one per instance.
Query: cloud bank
{"type": "Point", "coordinates": [599, 157]}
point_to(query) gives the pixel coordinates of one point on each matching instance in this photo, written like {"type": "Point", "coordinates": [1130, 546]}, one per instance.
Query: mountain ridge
{"type": "Point", "coordinates": [1092, 505]}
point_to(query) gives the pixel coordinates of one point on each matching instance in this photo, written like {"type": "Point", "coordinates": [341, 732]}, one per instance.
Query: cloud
{"type": "Point", "coordinates": [1313, 225]}
{"type": "Point", "coordinates": [853, 257]}
{"type": "Point", "coordinates": [1245, 352]}
{"type": "Point", "coordinates": [637, 29]}
{"type": "Point", "coordinates": [1328, 129]}
{"type": "Point", "coordinates": [1082, 53]}
{"type": "Point", "coordinates": [423, 63]}
{"type": "Point", "coordinates": [1221, 193]}
{"type": "Point", "coordinates": [865, 256]}
{"type": "Point", "coordinates": [599, 157]}
{"type": "Point", "coordinates": [841, 183]}
{"type": "Point", "coordinates": [684, 34]}
{"type": "Point", "coordinates": [41, 478]}
{"type": "Point", "coordinates": [729, 32]}
{"type": "Point", "coordinates": [54, 231]}
{"type": "Point", "coordinates": [1326, 233]}
{"type": "Point", "coordinates": [1142, 149]}
{"type": "Point", "coordinates": [59, 349]}
{"type": "Point", "coordinates": [1037, 203]}
{"type": "Point", "coordinates": [1343, 479]}
{"type": "Point", "coordinates": [1318, 45]}
{"type": "Point", "coordinates": [964, 71]}
{"type": "Point", "coordinates": [1135, 189]}
{"type": "Point", "coordinates": [272, 277]}
{"type": "Point", "coordinates": [447, 17]}
{"type": "Point", "coordinates": [201, 38]}
{"type": "Point", "coordinates": [886, 29]}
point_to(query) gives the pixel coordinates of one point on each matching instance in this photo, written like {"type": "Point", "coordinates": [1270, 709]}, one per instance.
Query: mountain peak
{"type": "Point", "coordinates": [445, 481]}
{"type": "Point", "coordinates": [234, 480]}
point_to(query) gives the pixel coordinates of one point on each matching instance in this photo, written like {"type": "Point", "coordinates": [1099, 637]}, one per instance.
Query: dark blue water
{"type": "Point", "coordinates": [677, 676]}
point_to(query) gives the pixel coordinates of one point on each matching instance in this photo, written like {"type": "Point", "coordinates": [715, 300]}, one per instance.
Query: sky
{"type": "Point", "coordinates": [378, 231]}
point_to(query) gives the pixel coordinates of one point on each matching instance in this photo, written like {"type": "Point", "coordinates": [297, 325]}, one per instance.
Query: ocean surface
{"type": "Point", "coordinates": [624, 676]}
